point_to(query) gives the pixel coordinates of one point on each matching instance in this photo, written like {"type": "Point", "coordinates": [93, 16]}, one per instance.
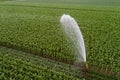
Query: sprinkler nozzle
{"type": "Point", "coordinates": [86, 64]}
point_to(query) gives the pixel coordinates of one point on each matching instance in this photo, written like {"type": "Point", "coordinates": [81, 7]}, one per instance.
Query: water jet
{"type": "Point", "coordinates": [72, 30]}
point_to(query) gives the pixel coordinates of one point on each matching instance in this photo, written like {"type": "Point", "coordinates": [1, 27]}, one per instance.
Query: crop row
{"type": "Point", "coordinates": [96, 75]}
{"type": "Point", "coordinates": [11, 68]}
{"type": "Point", "coordinates": [44, 62]}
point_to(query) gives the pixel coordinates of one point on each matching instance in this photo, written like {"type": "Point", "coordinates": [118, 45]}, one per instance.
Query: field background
{"type": "Point", "coordinates": [33, 26]}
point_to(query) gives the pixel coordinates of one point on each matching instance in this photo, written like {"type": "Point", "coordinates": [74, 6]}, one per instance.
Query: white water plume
{"type": "Point", "coordinates": [72, 30]}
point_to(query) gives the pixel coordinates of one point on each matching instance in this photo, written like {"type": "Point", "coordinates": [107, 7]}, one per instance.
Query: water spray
{"type": "Point", "coordinates": [72, 30]}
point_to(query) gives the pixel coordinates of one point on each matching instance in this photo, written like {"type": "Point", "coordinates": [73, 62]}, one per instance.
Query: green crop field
{"type": "Point", "coordinates": [17, 65]}
{"type": "Point", "coordinates": [32, 26]}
